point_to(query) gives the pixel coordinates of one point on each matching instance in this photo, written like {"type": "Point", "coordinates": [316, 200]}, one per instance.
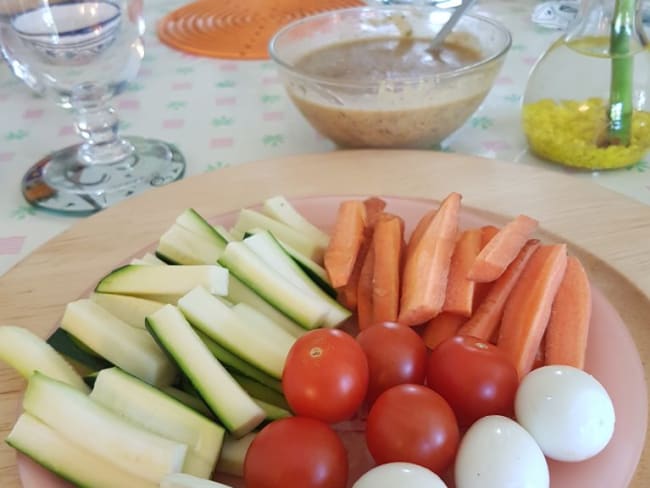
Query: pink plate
{"type": "Point", "coordinates": [611, 357]}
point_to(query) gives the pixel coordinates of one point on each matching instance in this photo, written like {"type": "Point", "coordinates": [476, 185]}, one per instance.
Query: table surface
{"type": "Point", "coordinates": [222, 113]}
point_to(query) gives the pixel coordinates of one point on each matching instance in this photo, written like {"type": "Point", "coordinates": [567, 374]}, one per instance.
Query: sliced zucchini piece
{"type": "Point", "coordinates": [259, 391]}
{"type": "Point", "coordinates": [250, 219]}
{"type": "Point", "coordinates": [198, 466]}
{"type": "Point", "coordinates": [26, 352]}
{"type": "Point", "coordinates": [224, 233]}
{"type": "Point", "coordinates": [227, 400]}
{"type": "Point", "coordinates": [233, 454]}
{"type": "Point", "coordinates": [237, 234]}
{"type": "Point", "coordinates": [157, 412]}
{"type": "Point", "coordinates": [179, 245]}
{"type": "Point", "coordinates": [234, 362]}
{"type": "Point", "coordinates": [147, 281]}
{"type": "Point", "coordinates": [279, 208]}
{"type": "Point", "coordinates": [193, 221]}
{"type": "Point", "coordinates": [238, 292]}
{"type": "Point", "coordinates": [67, 346]}
{"type": "Point", "coordinates": [264, 325]}
{"type": "Point", "coordinates": [90, 378]}
{"type": "Point", "coordinates": [149, 259]}
{"type": "Point", "coordinates": [131, 310]}
{"type": "Point", "coordinates": [221, 324]}
{"type": "Point", "coordinates": [129, 348]}
{"type": "Point", "coordinates": [314, 270]}
{"type": "Point", "coordinates": [192, 401]}
{"type": "Point", "coordinates": [100, 431]}
{"type": "Point", "coordinates": [294, 302]}
{"type": "Point", "coordinates": [71, 462]}
{"type": "Point", "coordinates": [273, 412]}
{"type": "Point", "coordinates": [264, 245]}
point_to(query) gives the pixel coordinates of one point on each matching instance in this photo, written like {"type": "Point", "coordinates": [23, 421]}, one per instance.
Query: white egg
{"type": "Point", "coordinates": [399, 475]}
{"type": "Point", "coordinates": [496, 452]}
{"type": "Point", "coordinates": [567, 411]}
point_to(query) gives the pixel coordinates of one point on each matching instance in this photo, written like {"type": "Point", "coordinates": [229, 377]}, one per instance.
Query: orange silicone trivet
{"type": "Point", "coordinates": [236, 29]}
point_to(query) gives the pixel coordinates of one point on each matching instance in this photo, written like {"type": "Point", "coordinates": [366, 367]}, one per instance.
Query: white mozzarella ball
{"type": "Point", "coordinates": [496, 452]}
{"type": "Point", "coordinates": [402, 475]}
{"type": "Point", "coordinates": [567, 411]}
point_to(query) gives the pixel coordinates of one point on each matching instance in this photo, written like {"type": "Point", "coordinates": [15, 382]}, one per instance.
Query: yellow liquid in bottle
{"type": "Point", "coordinates": [566, 104]}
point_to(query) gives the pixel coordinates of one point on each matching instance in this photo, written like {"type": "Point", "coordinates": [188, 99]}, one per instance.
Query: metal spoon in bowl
{"type": "Point", "coordinates": [448, 27]}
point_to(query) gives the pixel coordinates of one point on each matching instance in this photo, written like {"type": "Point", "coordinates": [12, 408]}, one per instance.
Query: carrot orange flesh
{"type": "Point", "coordinates": [419, 230]}
{"type": "Point", "coordinates": [387, 247]}
{"type": "Point", "coordinates": [364, 290]}
{"type": "Point", "coordinates": [441, 327]}
{"type": "Point", "coordinates": [485, 320]}
{"type": "Point", "coordinates": [568, 328]}
{"type": "Point", "coordinates": [348, 293]}
{"type": "Point", "coordinates": [540, 355]}
{"type": "Point", "coordinates": [426, 269]}
{"type": "Point", "coordinates": [459, 298]}
{"type": "Point", "coordinates": [374, 208]}
{"type": "Point", "coordinates": [481, 289]}
{"type": "Point", "coordinates": [345, 242]}
{"type": "Point", "coordinates": [528, 308]}
{"type": "Point", "coordinates": [487, 233]}
{"type": "Point", "coordinates": [502, 249]}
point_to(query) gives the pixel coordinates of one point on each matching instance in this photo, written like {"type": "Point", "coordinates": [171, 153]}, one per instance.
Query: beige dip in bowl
{"type": "Point", "coordinates": [365, 77]}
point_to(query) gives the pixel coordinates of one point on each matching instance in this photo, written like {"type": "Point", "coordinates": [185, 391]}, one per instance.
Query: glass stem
{"type": "Point", "coordinates": [622, 77]}
{"type": "Point", "coordinates": [97, 124]}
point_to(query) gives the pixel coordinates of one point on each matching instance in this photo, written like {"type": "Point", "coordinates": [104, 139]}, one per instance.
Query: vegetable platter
{"type": "Point", "coordinates": [603, 230]}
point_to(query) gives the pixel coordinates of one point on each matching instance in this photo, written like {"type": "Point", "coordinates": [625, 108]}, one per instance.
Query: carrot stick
{"type": "Point", "coordinates": [459, 298]}
{"type": "Point", "coordinates": [495, 257]}
{"type": "Point", "coordinates": [568, 328]}
{"type": "Point", "coordinates": [528, 308]}
{"type": "Point", "coordinates": [345, 241]}
{"type": "Point", "coordinates": [481, 289]}
{"type": "Point", "coordinates": [484, 321]}
{"type": "Point", "coordinates": [387, 246]}
{"type": "Point", "coordinates": [348, 293]}
{"type": "Point", "coordinates": [364, 290]}
{"type": "Point", "coordinates": [424, 283]}
{"type": "Point", "coordinates": [419, 230]}
{"type": "Point", "coordinates": [374, 208]}
{"type": "Point", "coordinates": [540, 355]}
{"type": "Point", "coordinates": [441, 327]}
{"type": "Point", "coordinates": [487, 233]}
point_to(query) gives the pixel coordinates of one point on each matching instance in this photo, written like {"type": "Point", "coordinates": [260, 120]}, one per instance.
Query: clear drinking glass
{"type": "Point", "coordinates": [83, 53]}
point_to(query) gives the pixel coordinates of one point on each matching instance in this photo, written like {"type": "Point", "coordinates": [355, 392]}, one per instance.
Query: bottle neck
{"type": "Point", "coordinates": [598, 20]}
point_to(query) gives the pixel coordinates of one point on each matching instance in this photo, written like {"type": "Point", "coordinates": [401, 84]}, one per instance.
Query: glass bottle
{"type": "Point", "coordinates": [582, 87]}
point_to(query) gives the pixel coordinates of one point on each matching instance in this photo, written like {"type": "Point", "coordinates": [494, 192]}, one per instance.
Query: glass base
{"type": "Point", "coordinates": [59, 183]}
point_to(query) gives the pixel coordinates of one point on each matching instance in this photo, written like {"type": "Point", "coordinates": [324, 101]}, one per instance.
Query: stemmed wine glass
{"type": "Point", "coordinates": [84, 52]}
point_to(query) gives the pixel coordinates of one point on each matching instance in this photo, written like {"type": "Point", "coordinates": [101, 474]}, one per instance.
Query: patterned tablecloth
{"type": "Point", "coordinates": [222, 113]}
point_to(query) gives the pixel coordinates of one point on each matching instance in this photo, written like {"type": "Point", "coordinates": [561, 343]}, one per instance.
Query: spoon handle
{"type": "Point", "coordinates": [450, 24]}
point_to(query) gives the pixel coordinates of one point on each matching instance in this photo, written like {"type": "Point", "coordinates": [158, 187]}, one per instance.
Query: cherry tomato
{"type": "Point", "coordinates": [325, 375]}
{"type": "Point", "coordinates": [396, 355]}
{"type": "Point", "coordinates": [475, 377]}
{"type": "Point", "coordinates": [413, 424]}
{"type": "Point", "coordinates": [296, 451]}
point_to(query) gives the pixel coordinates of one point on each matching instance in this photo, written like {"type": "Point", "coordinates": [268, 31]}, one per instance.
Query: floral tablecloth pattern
{"type": "Point", "coordinates": [222, 113]}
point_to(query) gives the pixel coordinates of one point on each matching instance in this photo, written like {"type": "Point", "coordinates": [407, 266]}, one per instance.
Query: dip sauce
{"type": "Point", "coordinates": [385, 58]}
{"type": "Point", "coordinates": [391, 99]}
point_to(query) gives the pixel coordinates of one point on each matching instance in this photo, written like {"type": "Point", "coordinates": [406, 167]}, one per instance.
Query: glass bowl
{"type": "Point", "coordinates": [412, 110]}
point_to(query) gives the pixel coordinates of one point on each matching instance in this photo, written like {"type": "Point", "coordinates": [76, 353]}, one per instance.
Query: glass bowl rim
{"type": "Point", "coordinates": [435, 78]}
